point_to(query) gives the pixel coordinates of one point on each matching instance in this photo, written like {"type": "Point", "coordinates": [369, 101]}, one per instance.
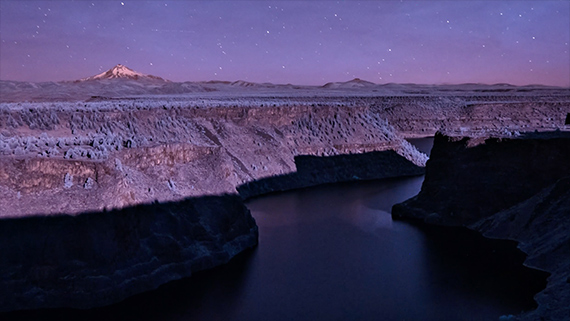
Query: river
{"type": "Point", "coordinates": [333, 252]}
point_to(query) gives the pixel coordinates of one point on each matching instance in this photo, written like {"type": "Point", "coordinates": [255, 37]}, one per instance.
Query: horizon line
{"type": "Point", "coordinates": [292, 84]}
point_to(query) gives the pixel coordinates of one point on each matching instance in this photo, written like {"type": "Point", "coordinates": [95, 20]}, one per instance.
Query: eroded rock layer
{"type": "Point", "coordinates": [72, 160]}
{"type": "Point", "coordinates": [508, 188]}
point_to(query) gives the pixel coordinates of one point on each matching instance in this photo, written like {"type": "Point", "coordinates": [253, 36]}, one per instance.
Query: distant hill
{"type": "Point", "coordinates": [123, 82]}
{"type": "Point", "coordinates": [354, 83]}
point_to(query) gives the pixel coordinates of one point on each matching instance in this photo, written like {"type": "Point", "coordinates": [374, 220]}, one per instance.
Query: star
{"type": "Point", "coordinates": [312, 40]}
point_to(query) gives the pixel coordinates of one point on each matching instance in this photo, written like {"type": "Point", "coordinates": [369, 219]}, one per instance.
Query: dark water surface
{"type": "Point", "coordinates": [334, 253]}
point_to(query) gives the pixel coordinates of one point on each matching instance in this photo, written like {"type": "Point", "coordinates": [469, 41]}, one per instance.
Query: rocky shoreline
{"type": "Point", "coordinates": [508, 188]}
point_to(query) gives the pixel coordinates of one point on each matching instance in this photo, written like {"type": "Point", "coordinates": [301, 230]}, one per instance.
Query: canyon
{"type": "Point", "coordinates": [507, 188]}
{"type": "Point", "coordinates": [158, 177]}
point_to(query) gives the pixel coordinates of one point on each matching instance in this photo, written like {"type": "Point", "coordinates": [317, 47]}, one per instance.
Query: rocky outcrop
{"type": "Point", "coordinates": [95, 259]}
{"type": "Point", "coordinates": [468, 179]}
{"type": "Point", "coordinates": [512, 188]}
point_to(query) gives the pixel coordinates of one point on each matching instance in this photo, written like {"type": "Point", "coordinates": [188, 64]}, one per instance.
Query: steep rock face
{"type": "Point", "coordinates": [471, 178]}
{"type": "Point", "coordinates": [540, 225]}
{"type": "Point", "coordinates": [95, 259]}
{"type": "Point", "coordinates": [515, 189]}
{"type": "Point", "coordinates": [80, 159]}
{"type": "Point", "coordinates": [313, 170]}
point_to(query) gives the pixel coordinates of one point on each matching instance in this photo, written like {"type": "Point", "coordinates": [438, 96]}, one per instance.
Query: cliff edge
{"type": "Point", "coordinates": [510, 188]}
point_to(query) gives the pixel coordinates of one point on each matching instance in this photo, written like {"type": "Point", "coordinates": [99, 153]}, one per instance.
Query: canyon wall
{"type": "Point", "coordinates": [511, 188]}
{"type": "Point", "coordinates": [95, 259]}
{"type": "Point", "coordinates": [69, 160]}
{"type": "Point", "coordinates": [139, 150]}
{"type": "Point", "coordinates": [100, 204]}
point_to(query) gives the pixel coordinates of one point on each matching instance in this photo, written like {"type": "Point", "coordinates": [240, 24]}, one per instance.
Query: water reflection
{"type": "Point", "coordinates": [363, 204]}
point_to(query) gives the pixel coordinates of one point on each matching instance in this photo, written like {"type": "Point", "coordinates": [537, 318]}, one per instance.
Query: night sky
{"type": "Point", "coordinates": [299, 42]}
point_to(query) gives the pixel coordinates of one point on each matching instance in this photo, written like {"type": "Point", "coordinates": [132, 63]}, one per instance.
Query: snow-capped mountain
{"type": "Point", "coordinates": [123, 72]}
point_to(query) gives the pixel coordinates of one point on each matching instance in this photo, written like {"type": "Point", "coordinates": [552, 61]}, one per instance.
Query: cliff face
{"type": "Point", "coordinates": [540, 225]}
{"type": "Point", "coordinates": [95, 259]}
{"type": "Point", "coordinates": [515, 189]}
{"type": "Point", "coordinates": [471, 178]}
{"type": "Point", "coordinates": [73, 232]}
{"type": "Point", "coordinates": [168, 148]}
{"type": "Point", "coordinates": [313, 170]}
{"type": "Point", "coordinates": [65, 160]}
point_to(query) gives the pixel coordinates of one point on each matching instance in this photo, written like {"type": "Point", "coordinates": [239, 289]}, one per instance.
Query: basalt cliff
{"type": "Point", "coordinates": [509, 188]}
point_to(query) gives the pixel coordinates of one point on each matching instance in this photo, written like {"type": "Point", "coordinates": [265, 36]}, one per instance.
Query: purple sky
{"type": "Point", "coordinates": [299, 42]}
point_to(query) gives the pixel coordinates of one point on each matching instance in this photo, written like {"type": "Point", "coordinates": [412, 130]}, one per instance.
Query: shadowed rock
{"type": "Point", "coordinates": [540, 225]}
{"type": "Point", "coordinates": [314, 170]}
{"type": "Point", "coordinates": [515, 189]}
{"type": "Point", "coordinates": [471, 178]}
{"type": "Point", "coordinates": [94, 259]}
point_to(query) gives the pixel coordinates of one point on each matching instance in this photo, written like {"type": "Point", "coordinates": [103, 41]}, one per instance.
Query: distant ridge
{"type": "Point", "coordinates": [123, 72]}
{"type": "Point", "coordinates": [121, 81]}
{"type": "Point", "coordinates": [354, 83]}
